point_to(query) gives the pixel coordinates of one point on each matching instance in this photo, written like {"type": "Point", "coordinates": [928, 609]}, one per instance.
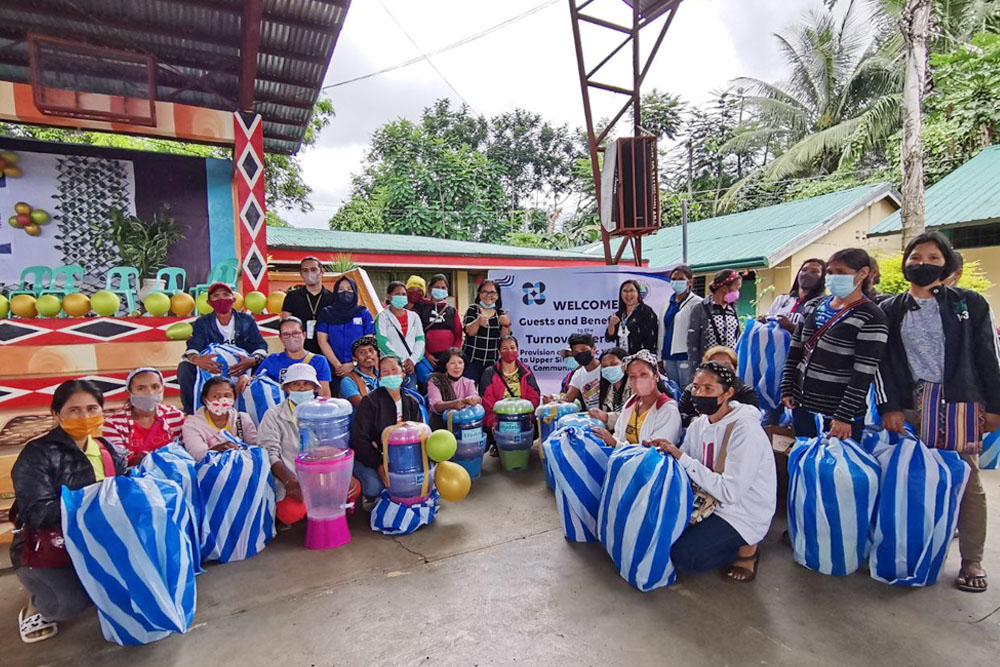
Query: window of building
{"type": "Point", "coordinates": [977, 236]}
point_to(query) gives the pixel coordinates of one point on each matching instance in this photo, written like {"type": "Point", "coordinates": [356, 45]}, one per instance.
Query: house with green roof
{"type": "Point", "coordinates": [769, 244]}
{"type": "Point", "coordinates": [965, 207]}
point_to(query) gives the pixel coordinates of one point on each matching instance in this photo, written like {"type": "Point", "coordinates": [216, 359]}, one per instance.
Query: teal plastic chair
{"type": "Point", "coordinates": [39, 277]}
{"type": "Point", "coordinates": [174, 279]}
{"type": "Point", "coordinates": [65, 280]}
{"type": "Point", "coordinates": [225, 271]}
{"type": "Point", "coordinates": [123, 276]}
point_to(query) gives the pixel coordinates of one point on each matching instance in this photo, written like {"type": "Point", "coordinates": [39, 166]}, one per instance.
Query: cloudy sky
{"type": "Point", "coordinates": [529, 64]}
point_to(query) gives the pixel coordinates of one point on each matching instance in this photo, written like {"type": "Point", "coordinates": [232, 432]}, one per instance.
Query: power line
{"type": "Point", "coordinates": [449, 47]}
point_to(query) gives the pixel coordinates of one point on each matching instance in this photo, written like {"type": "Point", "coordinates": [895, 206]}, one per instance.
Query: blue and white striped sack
{"type": "Point", "coordinates": [989, 458]}
{"type": "Point", "coordinates": [237, 495]}
{"type": "Point", "coordinates": [872, 417]}
{"type": "Point", "coordinates": [832, 491]}
{"type": "Point", "coordinates": [225, 356]}
{"type": "Point", "coordinates": [917, 510]}
{"type": "Point", "coordinates": [173, 463]}
{"type": "Point", "coordinates": [646, 503]}
{"type": "Point", "coordinates": [262, 394]}
{"type": "Point", "coordinates": [129, 540]}
{"type": "Point", "coordinates": [578, 461]}
{"type": "Point", "coordinates": [392, 518]}
{"type": "Point", "coordinates": [761, 352]}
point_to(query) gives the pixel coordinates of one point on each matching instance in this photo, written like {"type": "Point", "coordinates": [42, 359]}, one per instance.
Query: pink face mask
{"type": "Point", "coordinates": [731, 297]}
{"type": "Point", "coordinates": [643, 386]}
{"type": "Point", "coordinates": [220, 406]}
{"type": "Point", "coordinates": [222, 306]}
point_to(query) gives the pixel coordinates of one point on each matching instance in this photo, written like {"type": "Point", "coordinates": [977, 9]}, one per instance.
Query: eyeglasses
{"type": "Point", "coordinates": [487, 294]}
{"type": "Point", "coordinates": [294, 334]}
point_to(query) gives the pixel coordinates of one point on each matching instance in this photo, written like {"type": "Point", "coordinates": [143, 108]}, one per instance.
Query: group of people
{"type": "Point", "coordinates": [667, 381]}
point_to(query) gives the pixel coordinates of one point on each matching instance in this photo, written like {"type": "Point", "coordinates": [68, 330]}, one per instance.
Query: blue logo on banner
{"type": "Point", "coordinates": [534, 293]}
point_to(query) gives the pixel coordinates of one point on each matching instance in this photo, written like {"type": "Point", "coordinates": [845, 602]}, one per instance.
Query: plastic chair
{"type": "Point", "coordinates": [124, 276]}
{"type": "Point", "coordinates": [174, 279]}
{"type": "Point", "coordinates": [39, 277]}
{"type": "Point", "coordinates": [225, 271]}
{"type": "Point", "coordinates": [65, 280]}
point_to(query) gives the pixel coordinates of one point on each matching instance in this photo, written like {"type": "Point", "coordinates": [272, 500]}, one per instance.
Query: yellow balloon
{"type": "Point", "coordinates": [275, 301]}
{"type": "Point", "coordinates": [182, 304]}
{"type": "Point", "coordinates": [4, 306]}
{"type": "Point", "coordinates": [238, 304]}
{"type": "Point", "coordinates": [256, 302]}
{"type": "Point", "coordinates": [105, 303]}
{"type": "Point", "coordinates": [23, 305]}
{"type": "Point", "coordinates": [76, 304]}
{"type": "Point", "coordinates": [202, 304]}
{"type": "Point", "coordinates": [452, 481]}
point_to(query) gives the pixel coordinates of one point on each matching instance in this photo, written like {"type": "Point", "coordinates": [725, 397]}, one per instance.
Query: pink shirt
{"type": "Point", "coordinates": [464, 388]}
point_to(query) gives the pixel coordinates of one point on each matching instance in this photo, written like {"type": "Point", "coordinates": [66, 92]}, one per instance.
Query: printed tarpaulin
{"type": "Point", "coordinates": [129, 541]}
{"type": "Point", "coordinates": [645, 506]}
{"type": "Point", "coordinates": [761, 352]}
{"type": "Point", "coordinates": [990, 456]}
{"type": "Point", "coordinates": [578, 461]}
{"type": "Point", "coordinates": [917, 511]}
{"type": "Point", "coordinates": [832, 489]}
{"type": "Point", "coordinates": [392, 518]}
{"type": "Point", "coordinates": [262, 394]}
{"type": "Point", "coordinates": [237, 496]}
{"type": "Point", "coordinates": [173, 464]}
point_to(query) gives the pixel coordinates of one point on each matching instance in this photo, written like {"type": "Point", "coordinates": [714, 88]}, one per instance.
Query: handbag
{"type": "Point", "coordinates": [704, 502]}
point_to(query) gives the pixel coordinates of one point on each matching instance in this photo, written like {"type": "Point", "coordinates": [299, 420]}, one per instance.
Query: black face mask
{"type": "Point", "coordinates": [345, 297]}
{"type": "Point", "coordinates": [584, 358]}
{"type": "Point", "coordinates": [706, 405]}
{"type": "Point", "coordinates": [922, 274]}
{"type": "Point", "coordinates": [808, 281]}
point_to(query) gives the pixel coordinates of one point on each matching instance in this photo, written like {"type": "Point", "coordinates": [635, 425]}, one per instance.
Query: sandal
{"type": "Point", "coordinates": [32, 624]}
{"type": "Point", "coordinates": [964, 582]}
{"type": "Point", "coordinates": [742, 575]}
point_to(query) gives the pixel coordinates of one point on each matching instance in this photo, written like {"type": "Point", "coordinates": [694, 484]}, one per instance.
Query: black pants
{"type": "Point", "coordinates": [804, 424]}
{"type": "Point", "coordinates": [186, 375]}
{"type": "Point", "coordinates": [706, 545]}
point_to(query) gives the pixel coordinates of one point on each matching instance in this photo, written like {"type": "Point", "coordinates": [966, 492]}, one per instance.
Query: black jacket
{"type": "Point", "coordinates": [701, 322]}
{"type": "Point", "coordinates": [375, 412]}
{"type": "Point", "coordinates": [971, 357]}
{"type": "Point", "coordinates": [643, 329]}
{"type": "Point", "coordinates": [41, 469]}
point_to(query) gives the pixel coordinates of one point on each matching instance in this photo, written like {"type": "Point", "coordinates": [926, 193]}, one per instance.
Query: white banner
{"type": "Point", "coordinates": [547, 305]}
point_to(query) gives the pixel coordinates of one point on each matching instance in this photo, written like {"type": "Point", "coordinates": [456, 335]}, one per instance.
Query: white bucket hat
{"type": "Point", "coordinates": [300, 372]}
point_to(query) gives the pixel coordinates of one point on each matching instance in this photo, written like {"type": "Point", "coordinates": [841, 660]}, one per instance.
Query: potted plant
{"type": "Point", "coordinates": [144, 243]}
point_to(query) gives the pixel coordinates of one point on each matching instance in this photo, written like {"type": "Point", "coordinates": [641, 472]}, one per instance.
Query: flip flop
{"type": "Point", "coordinates": [34, 623]}
{"type": "Point", "coordinates": [748, 575]}
{"type": "Point", "coordinates": [962, 582]}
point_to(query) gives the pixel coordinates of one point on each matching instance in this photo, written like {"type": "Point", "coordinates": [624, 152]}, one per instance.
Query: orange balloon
{"type": "Point", "coordinates": [275, 301]}
{"type": "Point", "coordinates": [23, 305]}
{"type": "Point", "coordinates": [76, 304]}
{"type": "Point", "coordinates": [182, 304]}
{"type": "Point", "coordinates": [12, 172]}
{"type": "Point", "coordinates": [238, 304]}
{"type": "Point", "coordinates": [33, 229]}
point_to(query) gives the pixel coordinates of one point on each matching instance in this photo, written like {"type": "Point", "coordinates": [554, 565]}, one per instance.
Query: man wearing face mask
{"type": "Point", "coordinates": [672, 339]}
{"type": "Point", "coordinates": [715, 320]}
{"type": "Point", "coordinates": [307, 301]}
{"type": "Point", "coordinates": [145, 422]}
{"type": "Point", "coordinates": [585, 385]}
{"type": "Point", "coordinates": [224, 325]}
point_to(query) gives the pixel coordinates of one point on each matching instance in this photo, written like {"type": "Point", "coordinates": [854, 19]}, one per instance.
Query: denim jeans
{"type": "Point", "coordinates": [371, 483]}
{"type": "Point", "coordinates": [678, 371]}
{"type": "Point", "coordinates": [706, 545]}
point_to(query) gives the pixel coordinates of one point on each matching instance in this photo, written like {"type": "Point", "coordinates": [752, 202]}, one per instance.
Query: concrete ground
{"type": "Point", "coordinates": [493, 582]}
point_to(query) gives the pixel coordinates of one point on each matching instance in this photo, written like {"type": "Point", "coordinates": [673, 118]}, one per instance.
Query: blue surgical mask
{"type": "Point", "coordinates": [300, 397]}
{"type": "Point", "coordinates": [840, 285]}
{"type": "Point", "coordinates": [679, 286]}
{"type": "Point", "coordinates": [399, 300]}
{"type": "Point", "coordinates": [612, 373]}
{"type": "Point", "coordinates": [391, 381]}
{"type": "Point", "coordinates": [488, 306]}
{"type": "Point", "coordinates": [439, 294]}
{"type": "Point", "coordinates": [571, 364]}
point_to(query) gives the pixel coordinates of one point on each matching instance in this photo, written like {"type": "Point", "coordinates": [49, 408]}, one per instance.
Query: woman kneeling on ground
{"type": "Point", "coordinates": [71, 455]}
{"type": "Point", "coordinates": [728, 457]}
{"type": "Point", "coordinates": [650, 414]}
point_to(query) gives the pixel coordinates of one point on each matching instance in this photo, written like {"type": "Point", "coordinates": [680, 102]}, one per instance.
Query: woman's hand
{"type": "Point", "coordinates": [223, 445]}
{"type": "Point", "coordinates": [665, 446]}
{"type": "Point", "coordinates": [786, 323]}
{"type": "Point", "coordinates": [840, 430]}
{"type": "Point", "coordinates": [242, 383]}
{"type": "Point", "coordinates": [408, 366]}
{"type": "Point", "coordinates": [599, 414]}
{"type": "Point", "coordinates": [483, 319]}
{"type": "Point", "coordinates": [605, 435]}
{"type": "Point", "coordinates": [894, 421]}
{"type": "Point", "coordinates": [992, 422]}
{"type": "Point", "coordinates": [293, 490]}
{"type": "Point", "coordinates": [244, 364]}
{"type": "Point", "coordinates": [431, 359]}
{"type": "Point", "coordinates": [788, 402]}
{"type": "Point", "coordinates": [473, 400]}
{"type": "Point", "coordinates": [504, 320]}
{"type": "Point", "coordinates": [343, 370]}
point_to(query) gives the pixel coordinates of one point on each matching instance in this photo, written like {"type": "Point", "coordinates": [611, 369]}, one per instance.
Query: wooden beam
{"type": "Point", "coordinates": [249, 46]}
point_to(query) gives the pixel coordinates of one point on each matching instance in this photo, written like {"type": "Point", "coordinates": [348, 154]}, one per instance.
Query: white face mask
{"type": "Point", "coordinates": [145, 402]}
{"type": "Point", "coordinates": [220, 406]}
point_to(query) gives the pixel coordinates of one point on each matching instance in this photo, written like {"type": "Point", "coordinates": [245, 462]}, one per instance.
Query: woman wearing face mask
{"type": "Point", "coordinates": [728, 457]}
{"type": "Point", "coordinates": [485, 322]}
{"type": "Point", "coordinates": [634, 326]}
{"type": "Point", "coordinates": [715, 321]}
{"type": "Point", "coordinates": [385, 406]}
{"type": "Point", "coordinates": [342, 323]}
{"type": "Point", "coordinates": [809, 285]}
{"type": "Point", "coordinates": [650, 414]}
{"type": "Point", "coordinates": [415, 290]}
{"type": "Point", "coordinates": [673, 326]}
{"type": "Point", "coordinates": [399, 331]}
{"type": "Point", "coordinates": [615, 389]}
{"type": "Point", "coordinates": [942, 375]}
{"type": "Point", "coordinates": [72, 455]}
{"type": "Point", "coordinates": [279, 436]}
{"type": "Point", "coordinates": [835, 352]}
{"type": "Point", "coordinates": [202, 431]}
{"type": "Point", "coordinates": [145, 422]}
{"type": "Point", "coordinates": [442, 326]}
{"type": "Point", "coordinates": [743, 394]}
{"type": "Point", "coordinates": [507, 378]}
{"type": "Point", "coordinates": [448, 389]}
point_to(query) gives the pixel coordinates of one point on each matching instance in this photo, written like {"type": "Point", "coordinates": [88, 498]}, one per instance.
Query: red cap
{"type": "Point", "coordinates": [215, 286]}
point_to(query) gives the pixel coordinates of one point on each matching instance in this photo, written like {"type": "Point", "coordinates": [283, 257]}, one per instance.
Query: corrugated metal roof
{"type": "Point", "coordinates": [293, 238]}
{"type": "Point", "coordinates": [970, 194]}
{"type": "Point", "coordinates": [759, 237]}
{"type": "Point", "coordinates": [196, 44]}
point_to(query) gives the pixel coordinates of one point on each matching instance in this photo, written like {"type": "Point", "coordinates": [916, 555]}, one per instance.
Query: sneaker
{"type": "Point", "coordinates": [367, 504]}
{"type": "Point", "coordinates": [281, 526]}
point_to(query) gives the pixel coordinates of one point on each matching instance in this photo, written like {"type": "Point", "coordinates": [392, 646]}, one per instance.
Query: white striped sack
{"type": "Point", "coordinates": [917, 512]}
{"type": "Point", "coordinates": [261, 395]}
{"type": "Point", "coordinates": [237, 496]}
{"type": "Point", "coordinates": [129, 541]}
{"type": "Point", "coordinates": [832, 490]}
{"type": "Point", "coordinates": [761, 352]}
{"type": "Point", "coordinates": [578, 461]}
{"type": "Point", "coordinates": [391, 518]}
{"type": "Point", "coordinates": [173, 464]}
{"type": "Point", "coordinates": [225, 355]}
{"type": "Point", "coordinates": [645, 506]}
{"type": "Point", "coordinates": [872, 417]}
{"type": "Point", "coordinates": [990, 456]}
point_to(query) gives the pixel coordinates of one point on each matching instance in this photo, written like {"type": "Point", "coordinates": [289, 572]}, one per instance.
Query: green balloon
{"type": "Point", "coordinates": [48, 305]}
{"type": "Point", "coordinates": [39, 217]}
{"type": "Point", "coordinates": [105, 303]}
{"type": "Point", "coordinates": [157, 304]}
{"type": "Point", "coordinates": [180, 331]}
{"type": "Point", "coordinates": [441, 445]}
{"type": "Point", "coordinates": [513, 406]}
{"type": "Point", "coordinates": [4, 306]}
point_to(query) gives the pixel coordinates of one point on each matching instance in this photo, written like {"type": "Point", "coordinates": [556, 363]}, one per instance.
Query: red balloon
{"type": "Point", "coordinates": [24, 219]}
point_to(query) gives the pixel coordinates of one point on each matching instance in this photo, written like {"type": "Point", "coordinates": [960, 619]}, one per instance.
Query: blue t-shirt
{"type": "Point", "coordinates": [348, 387]}
{"type": "Point", "coordinates": [668, 332]}
{"type": "Point", "coordinates": [824, 312]}
{"type": "Point", "coordinates": [275, 365]}
{"type": "Point", "coordinates": [342, 336]}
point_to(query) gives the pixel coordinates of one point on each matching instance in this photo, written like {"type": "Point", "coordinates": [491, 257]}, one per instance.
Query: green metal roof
{"type": "Point", "coordinates": [970, 194]}
{"type": "Point", "coordinates": [760, 237]}
{"type": "Point", "coordinates": [296, 238]}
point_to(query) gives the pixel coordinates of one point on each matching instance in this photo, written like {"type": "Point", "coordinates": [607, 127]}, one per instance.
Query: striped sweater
{"type": "Point", "coordinates": [119, 430]}
{"type": "Point", "coordinates": [834, 379]}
